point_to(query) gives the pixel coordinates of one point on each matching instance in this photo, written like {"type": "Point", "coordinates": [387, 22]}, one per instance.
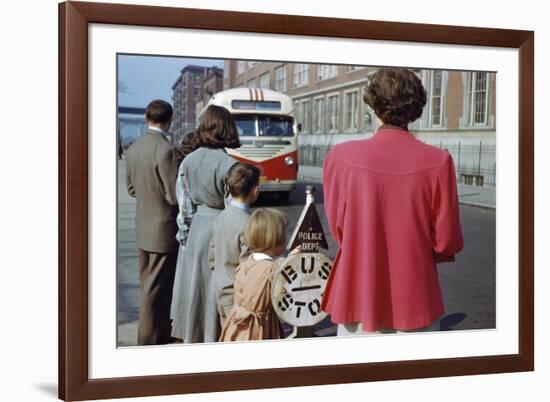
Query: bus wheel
{"type": "Point", "coordinates": [284, 196]}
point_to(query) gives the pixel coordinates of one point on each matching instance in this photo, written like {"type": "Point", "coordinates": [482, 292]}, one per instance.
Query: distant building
{"type": "Point", "coordinates": [194, 84]}
{"type": "Point", "coordinates": [328, 103]}
{"type": "Point", "coordinates": [211, 84]}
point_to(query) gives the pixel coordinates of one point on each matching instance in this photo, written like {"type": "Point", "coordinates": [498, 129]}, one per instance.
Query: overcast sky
{"type": "Point", "coordinates": [144, 78]}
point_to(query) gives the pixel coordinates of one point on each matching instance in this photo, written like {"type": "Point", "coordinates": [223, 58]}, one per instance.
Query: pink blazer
{"type": "Point", "coordinates": [392, 206]}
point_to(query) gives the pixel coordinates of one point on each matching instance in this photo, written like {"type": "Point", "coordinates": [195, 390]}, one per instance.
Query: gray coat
{"type": "Point", "coordinates": [152, 168]}
{"type": "Point", "coordinates": [227, 250]}
{"type": "Point", "coordinates": [194, 312]}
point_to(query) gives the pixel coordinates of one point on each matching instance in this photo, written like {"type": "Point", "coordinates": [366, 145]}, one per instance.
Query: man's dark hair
{"type": "Point", "coordinates": [217, 129]}
{"type": "Point", "coordinates": [396, 96]}
{"type": "Point", "coordinates": [242, 178]}
{"type": "Point", "coordinates": [189, 143]}
{"type": "Point", "coordinates": [159, 112]}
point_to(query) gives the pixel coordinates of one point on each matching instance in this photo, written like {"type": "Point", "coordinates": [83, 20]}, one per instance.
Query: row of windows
{"type": "Point", "coordinates": [321, 114]}
{"type": "Point", "coordinates": [300, 75]}
{"type": "Point", "coordinates": [242, 66]}
{"type": "Point", "coordinates": [476, 96]}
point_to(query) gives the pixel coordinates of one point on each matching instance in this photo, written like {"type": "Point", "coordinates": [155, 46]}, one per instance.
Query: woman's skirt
{"type": "Point", "coordinates": [194, 311]}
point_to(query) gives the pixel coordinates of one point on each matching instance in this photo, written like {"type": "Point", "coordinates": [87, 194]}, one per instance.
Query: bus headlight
{"type": "Point", "coordinates": [289, 161]}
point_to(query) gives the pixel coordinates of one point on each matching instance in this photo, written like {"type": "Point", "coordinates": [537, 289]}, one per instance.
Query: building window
{"type": "Point", "coordinates": [351, 108]}
{"type": "Point", "coordinates": [332, 113]}
{"type": "Point", "coordinates": [436, 98]}
{"type": "Point", "coordinates": [241, 67]}
{"type": "Point", "coordinates": [326, 71]}
{"type": "Point", "coordinates": [302, 114]}
{"type": "Point", "coordinates": [280, 79]}
{"type": "Point", "coordinates": [252, 64]}
{"type": "Point", "coordinates": [251, 83]}
{"type": "Point", "coordinates": [478, 98]}
{"type": "Point", "coordinates": [264, 81]}
{"type": "Point", "coordinates": [305, 116]}
{"type": "Point", "coordinates": [369, 118]}
{"type": "Point", "coordinates": [297, 111]}
{"type": "Point", "coordinates": [300, 75]}
{"type": "Point", "coordinates": [318, 114]}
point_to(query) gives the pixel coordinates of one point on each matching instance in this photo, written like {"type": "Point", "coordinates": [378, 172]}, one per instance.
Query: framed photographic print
{"type": "Point", "coordinates": [296, 89]}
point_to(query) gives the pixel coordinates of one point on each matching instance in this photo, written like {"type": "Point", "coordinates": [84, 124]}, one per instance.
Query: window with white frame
{"type": "Point", "coordinates": [318, 114]}
{"type": "Point", "coordinates": [326, 71]}
{"type": "Point", "coordinates": [252, 64]}
{"type": "Point", "coordinates": [297, 111]}
{"type": "Point", "coordinates": [305, 116]}
{"type": "Point", "coordinates": [332, 113]}
{"type": "Point", "coordinates": [369, 117]}
{"type": "Point", "coordinates": [264, 80]}
{"type": "Point", "coordinates": [300, 75]}
{"type": "Point", "coordinates": [241, 67]}
{"type": "Point", "coordinates": [351, 110]}
{"type": "Point", "coordinates": [280, 79]}
{"type": "Point", "coordinates": [436, 98]}
{"type": "Point", "coordinates": [251, 83]}
{"type": "Point", "coordinates": [478, 98]}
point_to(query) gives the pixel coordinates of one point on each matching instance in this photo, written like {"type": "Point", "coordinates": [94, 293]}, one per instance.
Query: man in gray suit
{"type": "Point", "coordinates": [152, 167]}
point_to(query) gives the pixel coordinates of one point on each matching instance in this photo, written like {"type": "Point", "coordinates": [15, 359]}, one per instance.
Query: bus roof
{"type": "Point", "coordinates": [256, 100]}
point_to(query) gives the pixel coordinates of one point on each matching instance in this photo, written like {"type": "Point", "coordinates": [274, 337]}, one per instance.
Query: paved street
{"type": "Point", "coordinates": [468, 285]}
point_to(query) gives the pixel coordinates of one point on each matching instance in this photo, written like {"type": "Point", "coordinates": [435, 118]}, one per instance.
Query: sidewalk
{"type": "Point", "coordinates": [484, 197]}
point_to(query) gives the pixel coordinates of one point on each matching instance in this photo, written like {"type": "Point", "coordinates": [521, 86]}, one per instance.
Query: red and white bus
{"type": "Point", "coordinates": [268, 134]}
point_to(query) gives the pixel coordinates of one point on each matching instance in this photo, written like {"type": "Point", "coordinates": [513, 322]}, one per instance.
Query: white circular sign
{"type": "Point", "coordinates": [298, 287]}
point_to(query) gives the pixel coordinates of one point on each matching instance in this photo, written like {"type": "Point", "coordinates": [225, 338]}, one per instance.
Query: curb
{"type": "Point", "coordinates": [477, 204]}
{"type": "Point", "coordinates": [315, 179]}
{"type": "Point", "coordinates": [470, 203]}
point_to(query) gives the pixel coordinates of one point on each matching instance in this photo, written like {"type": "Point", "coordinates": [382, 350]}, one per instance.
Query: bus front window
{"type": "Point", "coordinates": [246, 125]}
{"type": "Point", "coordinates": [276, 126]}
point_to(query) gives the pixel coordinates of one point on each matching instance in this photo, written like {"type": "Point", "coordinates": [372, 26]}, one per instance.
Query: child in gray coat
{"type": "Point", "coordinates": [227, 248]}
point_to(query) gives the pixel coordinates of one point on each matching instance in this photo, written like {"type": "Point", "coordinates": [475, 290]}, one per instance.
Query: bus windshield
{"type": "Point", "coordinates": [263, 125]}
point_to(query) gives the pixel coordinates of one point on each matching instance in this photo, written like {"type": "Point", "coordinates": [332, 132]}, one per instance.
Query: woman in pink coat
{"type": "Point", "coordinates": [392, 206]}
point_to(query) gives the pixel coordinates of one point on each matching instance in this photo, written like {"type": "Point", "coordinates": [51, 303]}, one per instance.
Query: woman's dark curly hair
{"type": "Point", "coordinates": [396, 96]}
{"type": "Point", "coordinates": [217, 129]}
{"type": "Point", "coordinates": [189, 143]}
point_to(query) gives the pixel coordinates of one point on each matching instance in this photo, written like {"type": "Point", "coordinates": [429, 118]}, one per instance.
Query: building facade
{"type": "Point", "coordinates": [194, 84]}
{"type": "Point", "coordinates": [328, 104]}
{"type": "Point", "coordinates": [211, 84]}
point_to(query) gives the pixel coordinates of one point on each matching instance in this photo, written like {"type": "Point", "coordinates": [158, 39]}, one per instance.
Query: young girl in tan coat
{"type": "Point", "coordinates": [252, 316]}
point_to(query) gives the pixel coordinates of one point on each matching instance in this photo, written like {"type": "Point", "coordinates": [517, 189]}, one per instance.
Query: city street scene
{"type": "Point", "coordinates": [289, 116]}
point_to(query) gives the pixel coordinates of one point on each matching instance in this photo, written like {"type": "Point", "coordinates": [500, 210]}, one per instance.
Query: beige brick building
{"type": "Point", "coordinates": [459, 115]}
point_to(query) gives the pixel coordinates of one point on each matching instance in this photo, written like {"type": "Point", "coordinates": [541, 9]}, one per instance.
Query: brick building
{"type": "Point", "coordinates": [212, 83]}
{"type": "Point", "coordinates": [195, 84]}
{"type": "Point", "coordinates": [459, 115]}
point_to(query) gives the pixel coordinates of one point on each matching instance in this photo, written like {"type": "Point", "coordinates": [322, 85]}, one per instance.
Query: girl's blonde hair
{"type": "Point", "coordinates": [266, 229]}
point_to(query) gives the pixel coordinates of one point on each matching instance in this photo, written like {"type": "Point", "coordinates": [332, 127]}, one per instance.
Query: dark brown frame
{"type": "Point", "coordinates": [74, 17]}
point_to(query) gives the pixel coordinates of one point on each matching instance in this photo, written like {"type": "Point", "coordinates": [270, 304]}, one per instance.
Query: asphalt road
{"type": "Point", "coordinates": [468, 285]}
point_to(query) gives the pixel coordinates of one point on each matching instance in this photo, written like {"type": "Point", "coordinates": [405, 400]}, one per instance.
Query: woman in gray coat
{"type": "Point", "coordinates": [202, 181]}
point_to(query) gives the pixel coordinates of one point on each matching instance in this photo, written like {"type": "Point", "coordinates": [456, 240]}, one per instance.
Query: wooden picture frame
{"type": "Point", "coordinates": [74, 381]}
